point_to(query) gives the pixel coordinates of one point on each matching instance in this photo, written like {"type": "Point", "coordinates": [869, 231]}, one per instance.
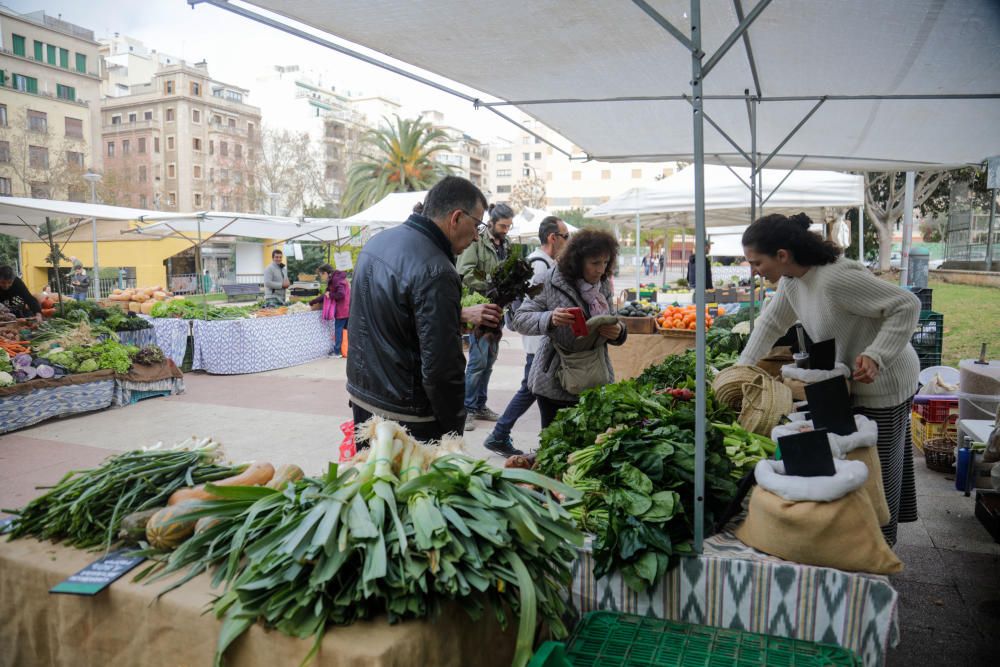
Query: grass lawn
{"type": "Point", "coordinates": [971, 317]}
{"type": "Point", "coordinates": [211, 298]}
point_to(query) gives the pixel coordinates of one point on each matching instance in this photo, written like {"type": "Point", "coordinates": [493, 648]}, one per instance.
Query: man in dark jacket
{"type": "Point", "coordinates": [692, 276]}
{"type": "Point", "coordinates": [15, 296]}
{"type": "Point", "coordinates": [406, 361]}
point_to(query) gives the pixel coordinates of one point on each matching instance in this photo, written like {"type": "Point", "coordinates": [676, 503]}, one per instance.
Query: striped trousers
{"type": "Point", "coordinates": [895, 453]}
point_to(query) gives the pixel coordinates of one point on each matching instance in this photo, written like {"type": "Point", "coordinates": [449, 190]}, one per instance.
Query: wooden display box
{"type": "Point", "coordinates": [639, 325]}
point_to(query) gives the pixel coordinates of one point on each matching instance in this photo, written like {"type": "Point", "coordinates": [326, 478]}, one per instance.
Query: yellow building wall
{"type": "Point", "coordinates": [146, 256]}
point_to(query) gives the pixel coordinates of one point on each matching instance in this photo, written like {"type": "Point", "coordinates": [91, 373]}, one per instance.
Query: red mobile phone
{"type": "Point", "coordinates": [579, 324]}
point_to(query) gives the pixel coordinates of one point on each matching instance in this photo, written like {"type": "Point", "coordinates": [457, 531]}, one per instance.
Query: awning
{"type": "Point", "coordinates": [727, 197]}
{"type": "Point", "coordinates": [21, 217]}
{"type": "Point", "coordinates": [525, 227]}
{"type": "Point", "coordinates": [205, 225]}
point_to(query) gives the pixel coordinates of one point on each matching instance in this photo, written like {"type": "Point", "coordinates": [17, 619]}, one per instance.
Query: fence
{"type": "Point", "coordinates": [105, 286]}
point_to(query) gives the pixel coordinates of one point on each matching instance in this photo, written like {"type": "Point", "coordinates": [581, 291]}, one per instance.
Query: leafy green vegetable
{"type": "Point", "coordinates": [472, 298]}
{"type": "Point", "coordinates": [149, 355]}
{"type": "Point", "coordinates": [191, 310]}
{"type": "Point", "coordinates": [5, 365]}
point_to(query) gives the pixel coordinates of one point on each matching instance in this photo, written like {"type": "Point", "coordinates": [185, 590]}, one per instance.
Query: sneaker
{"type": "Point", "coordinates": [486, 414]}
{"type": "Point", "coordinates": [470, 421]}
{"type": "Point", "coordinates": [334, 355]}
{"type": "Point", "coordinates": [502, 446]}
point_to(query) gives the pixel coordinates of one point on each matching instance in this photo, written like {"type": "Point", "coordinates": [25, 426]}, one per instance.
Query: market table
{"type": "Point", "coordinates": [125, 625]}
{"type": "Point", "coordinates": [733, 586]}
{"type": "Point", "coordinates": [29, 403]}
{"type": "Point", "coordinates": [642, 350]}
{"type": "Point", "coordinates": [229, 347]}
{"type": "Point", "coordinates": [171, 336]}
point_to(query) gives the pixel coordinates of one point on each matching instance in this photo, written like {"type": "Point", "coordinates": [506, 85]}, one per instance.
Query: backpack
{"type": "Point", "coordinates": [508, 316]}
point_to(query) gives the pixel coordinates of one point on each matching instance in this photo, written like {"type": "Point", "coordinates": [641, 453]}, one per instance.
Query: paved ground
{"type": "Point", "coordinates": [949, 592]}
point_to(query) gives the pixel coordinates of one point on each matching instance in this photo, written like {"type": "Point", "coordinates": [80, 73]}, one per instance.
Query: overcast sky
{"type": "Point", "coordinates": [238, 49]}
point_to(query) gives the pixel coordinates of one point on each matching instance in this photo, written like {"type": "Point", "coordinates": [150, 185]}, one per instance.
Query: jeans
{"type": "Point", "coordinates": [482, 356]}
{"type": "Point", "coordinates": [339, 325]}
{"type": "Point", "coordinates": [549, 408]}
{"type": "Point", "coordinates": [80, 296]}
{"type": "Point", "coordinates": [422, 431]}
{"type": "Point", "coordinates": [518, 405]}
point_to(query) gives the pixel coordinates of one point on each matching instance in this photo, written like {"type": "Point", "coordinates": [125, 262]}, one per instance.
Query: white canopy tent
{"type": "Point", "coordinates": [391, 210]}
{"type": "Point", "coordinates": [22, 216]}
{"type": "Point", "coordinates": [526, 223]}
{"type": "Point", "coordinates": [798, 83]}
{"type": "Point", "coordinates": [202, 226]}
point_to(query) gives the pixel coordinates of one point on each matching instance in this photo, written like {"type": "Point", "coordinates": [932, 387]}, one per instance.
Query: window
{"type": "Point", "coordinates": [195, 116]}
{"type": "Point", "coordinates": [26, 84]}
{"type": "Point", "coordinates": [5, 186]}
{"type": "Point", "coordinates": [142, 145]}
{"type": "Point", "coordinates": [503, 173]}
{"type": "Point", "coordinates": [142, 173]}
{"type": "Point", "coordinates": [503, 157]}
{"type": "Point", "coordinates": [143, 202]}
{"type": "Point", "coordinates": [237, 177]}
{"type": "Point", "coordinates": [171, 171]}
{"type": "Point", "coordinates": [197, 171]}
{"type": "Point", "coordinates": [18, 45]}
{"type": "Point", "coordinates": [576, 176]}
{"type": "Point", "coordinates": [168, 88]}
{"type": "Point", "coordinates": [196, 144]}
{"type": "Point", "coordinates": [171, 199]}
{"type": "Point", "coordinates": [605, 174]}
{"type": "Point", "coordinates": [116, 120]}
{"type": "Point", "coordinates": [196, 88]}
{"type": "Point", "coordinates": [126, 146]}
{"type": "Point", "coordinates": [147, 115]}
{"type": "Point", "coordinates": [39, 49]}
{"type": "Point", "coordinates": [39, 190]}
{"type": "Point", "coordinates": [224, 175]}
{"type": "Point", "coordinates": [74, 128]}
{"type": "Point", "coordinates": [538, 156]}
{"type": "Point", "coordinates": [81, 63]}
{"type": "Point", "coordinates": [64, 58]}
{"type": "Point", "coordinates": [525, 140]}
{"type": "Point", "coordinates": [38, 157]}
{"type": "Point", "coordinates": [50, 54]}
{"type": "Point", "coordinates": [223, 149]}
{"type": "Point", "coordinates": [250, 130]}
{"type": "Point", "coordinates": [217, 120]}
{"type": "Point", "coordinates": [170, 143]}
{"type": "Point", "coordinates": [156, 144]}
{"type": "Point", "coordinates": [211, 174]}
{"type": "Point", "coordinates": [4, 151]}
{"type": "Point", "coordinates": [38, 121]}
{"type": "Point", "coordinates": [526, 156]}
{"type": "Point", "coordinates": [74, 158]}
{"type": "Point", "coordinates": [225, 203]}
{"type": "Point", "coordinates": [238, 150]}
{"type": "Point", "coordinates": [111, 149]}
{"type": "Point", "coordinates": [232, 123]}
{"type": "Point", "coordinates": [132, 117]}
{"type": "Point", "coordinates": [503, 189]}
{"type": "Point", "coordinates": [3, 115]}
{"type": "Point", "coordinates": [65, 92]}
{"type": "Point", "coordinates": [170, 115]}
{"type": "Point", "coordinates": [197, 199]}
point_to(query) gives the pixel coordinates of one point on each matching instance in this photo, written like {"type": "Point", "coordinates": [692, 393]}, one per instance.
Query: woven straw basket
{"type": "Point", "coordinates": [765, 402]}
{"type": "Point", "coordinates": [728, 384]}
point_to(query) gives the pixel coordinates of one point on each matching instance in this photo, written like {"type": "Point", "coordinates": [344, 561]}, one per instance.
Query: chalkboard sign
{"type": "Point", "coordinates": [97, 576]}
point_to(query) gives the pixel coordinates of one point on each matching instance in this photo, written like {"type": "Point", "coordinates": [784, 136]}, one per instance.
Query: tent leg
{"type": "Point", "coordinates": [904, 268]}
{"type": "Point", "coordinates": [638, 249]}
{"type": "Point", "coordinates": [754, 195]}
{"type": "Point", "coordinates": [989, 230]}
{"type": "Point", "coordinates": [200, 288]}
{"type": "Point", "coordinates": [861, 233]}
{"type": "Point", "coordinates": [699, 293]}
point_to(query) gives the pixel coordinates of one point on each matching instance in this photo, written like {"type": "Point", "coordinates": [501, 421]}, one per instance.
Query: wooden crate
{"type": "Point", "coordinates": [639, 325]}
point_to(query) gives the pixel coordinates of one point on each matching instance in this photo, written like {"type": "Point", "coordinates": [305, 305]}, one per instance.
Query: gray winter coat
{"type": "Point", "coordinates": [533, 319]}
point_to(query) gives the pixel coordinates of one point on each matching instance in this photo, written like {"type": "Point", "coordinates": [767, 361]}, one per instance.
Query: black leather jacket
{"type": "Point", "coordinates": [406, 346]}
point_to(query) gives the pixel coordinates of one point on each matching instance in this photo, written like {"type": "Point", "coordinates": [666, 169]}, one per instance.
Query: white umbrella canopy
{"type": "Point", "coordinates": [526, 223]}
{"type": "Point", "coordinates": [248, 225]}
{"type": "Point", "coordinates": [391, 210]}
{"type": "Point", "coordinates": [727, 197]}
{"type": "Point", "coordinates": [22, 217]}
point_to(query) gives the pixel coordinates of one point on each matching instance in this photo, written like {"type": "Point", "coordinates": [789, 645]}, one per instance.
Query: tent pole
{"type": "Point", "coordinates": [55, 250]}
{"type": "Point", "coordinates": [904, 269]}
{"type": "Point", "coordinates": [699, 268]}
{"type": "Point", "coordinates": [638, 249]}
{"type": "Point", "coordinates": [197, 272]}
{"type": "Point", "coordinates": [754, 192]}
{"type": "Point", "coordinates": [861, 233]}
{"type": "Point", "coordinates": [989, 230]}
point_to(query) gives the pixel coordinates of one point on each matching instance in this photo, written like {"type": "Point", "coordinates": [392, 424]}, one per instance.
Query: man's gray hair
{"type": "Point", "coordinates": [450, 193]}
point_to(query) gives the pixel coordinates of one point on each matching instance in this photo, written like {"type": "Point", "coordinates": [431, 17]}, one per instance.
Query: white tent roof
{"type": "Point", "coordinates": [21, 216]}
{"type": "Point", "coordinates": [613, 81]}
{"type": "Point", "coordinates": [525, 227]}
{"type": "Point", "coordinates": [727, 197]}
{"type": "Point", "coordinates": [391, 210]}
{"type": "Point", "coordinates": [247, 225]}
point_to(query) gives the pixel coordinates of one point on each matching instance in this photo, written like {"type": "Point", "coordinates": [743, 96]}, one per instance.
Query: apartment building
{"type": "Point", "coordinates": [49, 106]}
{"type": "Point", "coordinates": [181, 142]}
{"type": "Point", "coordinates": [466, 155]}
{"type": "Point", "coordinates": [129, 62]}
{"type": "Point", "coordinates": [568, 184]}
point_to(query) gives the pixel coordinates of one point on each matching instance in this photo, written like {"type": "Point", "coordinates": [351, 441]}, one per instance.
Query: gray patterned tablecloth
{"type": "Point", "coordinates": [171, 336]}
{"type": "Point", "coordinates": [23, 410]}
{"type": "Point", "coordinates": [228, 347]}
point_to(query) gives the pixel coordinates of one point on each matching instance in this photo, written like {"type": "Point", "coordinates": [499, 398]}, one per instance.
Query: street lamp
{"type": "Point", "coordinates": [94, 179]}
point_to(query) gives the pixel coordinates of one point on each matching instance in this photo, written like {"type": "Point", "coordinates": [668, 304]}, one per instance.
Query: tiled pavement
{"type": "Point", "coordinates": [949, 591]}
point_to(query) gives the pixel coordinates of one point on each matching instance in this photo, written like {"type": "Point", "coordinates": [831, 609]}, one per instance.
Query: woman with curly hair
{"type": "Point", "coordinates": [581, 279]}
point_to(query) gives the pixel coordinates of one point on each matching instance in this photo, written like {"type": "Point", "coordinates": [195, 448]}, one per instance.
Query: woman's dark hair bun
{"type": "Point", "coordinates": [492, 206]}
{"type": "Point", "coordinates": [802, 220]}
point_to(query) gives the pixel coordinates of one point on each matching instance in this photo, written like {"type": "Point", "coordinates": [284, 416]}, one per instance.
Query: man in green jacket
{"type": "Point", "coordinates": [480, 259]}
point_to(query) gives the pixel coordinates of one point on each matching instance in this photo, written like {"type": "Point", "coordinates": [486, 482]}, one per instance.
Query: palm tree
{"type": "Point", "coordinates": [396, 158]}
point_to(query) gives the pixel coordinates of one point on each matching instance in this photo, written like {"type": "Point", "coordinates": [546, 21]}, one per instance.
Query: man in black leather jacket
{"type": "Point", "coordinates": [406, 361]}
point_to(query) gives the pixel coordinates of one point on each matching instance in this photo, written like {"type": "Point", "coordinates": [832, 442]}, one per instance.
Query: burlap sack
{"type": "Point", "coordinates": [843, 534]}
{"type": "Point", "coordinates": [873, 488]}
{"type": "Point", "coordinates": [775, 359]}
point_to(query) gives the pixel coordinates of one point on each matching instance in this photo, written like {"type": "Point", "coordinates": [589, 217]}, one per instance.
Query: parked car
{"type": "Point", "coordinates": [896, 260]}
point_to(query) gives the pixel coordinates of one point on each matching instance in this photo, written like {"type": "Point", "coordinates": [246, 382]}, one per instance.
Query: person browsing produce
{"type": "Point", "coordinates": [15, 295]}
{"type": "Point", "coordinates": [80, 283]}
{"type": "Point", "coordinates": [553, 234]}
{"type": "Point", "coordinates": [480, 259]}
{"type": "Point", "coordinates": [872, 322]}
{"type": "Point", "coordinates": [335, 303]}
{"type": "Point", "coordinates": [406, 361]}
{"type": "Point", "coordinates": [276, 278]}
{"type": "Point", "coordinates": [580, 280]}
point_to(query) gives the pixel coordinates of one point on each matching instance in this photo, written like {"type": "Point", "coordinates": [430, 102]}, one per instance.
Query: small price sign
{"type": "Point", "coordinates": [342, 261]}
{"type": "Point", "coordinates": [97, 576]}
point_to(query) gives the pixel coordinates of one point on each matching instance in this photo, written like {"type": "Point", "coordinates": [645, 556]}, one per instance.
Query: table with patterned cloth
{"type": "Point", "coordinates": [21, 410]}
{"type": "Point", "coordinates": [171, 336]}
{"type": "Point", "coordinates": [139, 338]}
{"type": "Point", "coordinates": [733, 586]}
{"type": "Point", "coordinates": [229, 347]}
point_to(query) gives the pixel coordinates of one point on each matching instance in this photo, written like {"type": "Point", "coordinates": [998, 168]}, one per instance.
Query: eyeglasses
{"type": "Point", "coordinates": [480, 225]}
{"type": "Point", "coordinates": [562, 236]}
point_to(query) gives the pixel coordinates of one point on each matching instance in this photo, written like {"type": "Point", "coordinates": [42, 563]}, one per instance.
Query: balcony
{"type": "Point", "coordinates": [130, 127]}
{"type": "Point", "coordinates": [222, 127]}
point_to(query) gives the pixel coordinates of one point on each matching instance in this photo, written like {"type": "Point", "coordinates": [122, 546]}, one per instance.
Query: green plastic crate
{"type": "Point", "coordinates": [611, 639]}
{"type": "Point", "coordinates": [928, 338]}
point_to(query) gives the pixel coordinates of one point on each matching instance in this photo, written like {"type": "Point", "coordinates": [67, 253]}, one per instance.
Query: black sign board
{"type": "Point", "coordinates": [100, 574]}
{"type": "Point", "coordinates": [830, 406]}
{"type": "Point", "coordinates": [807, 454]}
{"type": "Point", "coordinates": [823, 355]}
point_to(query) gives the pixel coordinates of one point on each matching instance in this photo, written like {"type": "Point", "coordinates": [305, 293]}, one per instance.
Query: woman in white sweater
{"type": "Point", "coordinates": [871, 320]}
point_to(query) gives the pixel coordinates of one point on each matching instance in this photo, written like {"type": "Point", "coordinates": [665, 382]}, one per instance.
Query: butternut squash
{"type": "Point", "coordinates": [134, 307]}
{"type": "Point", "coordinates": [256, 474]}
{"type": "Point", "coordinates": [286, 473]}
{"type": "Point", "coordinates": [164, 531]}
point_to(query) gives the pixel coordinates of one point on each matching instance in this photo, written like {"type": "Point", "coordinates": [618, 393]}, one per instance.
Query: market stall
{"type": "Point", "coordinates": [228, 347]}
{"type": "Point", "coordinates": [26, 404]}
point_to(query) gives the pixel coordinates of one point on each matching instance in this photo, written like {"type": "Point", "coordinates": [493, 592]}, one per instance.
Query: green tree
{"type": "Point", "coordinates": [8, 250]}
{"type": "Point", "coordinates": [396, 158]}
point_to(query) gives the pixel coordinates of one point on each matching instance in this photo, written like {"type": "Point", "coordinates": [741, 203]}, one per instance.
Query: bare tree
{"type": "Point", "coordinates": [121, 183]}
{"type": "Point", "coordinates": [43, 161]}
{"type": "Point", "coordinates": [529, 192]}
{"type": "Point", "coordinates": [285, 163]}
{"type": "Point", "coordinates": [884, 202]}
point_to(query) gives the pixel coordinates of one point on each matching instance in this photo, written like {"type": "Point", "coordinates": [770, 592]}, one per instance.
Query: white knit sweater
{"type": "Point", "coordinates": [864, 314]}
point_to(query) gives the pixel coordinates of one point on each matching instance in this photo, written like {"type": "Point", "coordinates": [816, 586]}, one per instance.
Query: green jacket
{"type": "Point", "coordinates": [482, 255]}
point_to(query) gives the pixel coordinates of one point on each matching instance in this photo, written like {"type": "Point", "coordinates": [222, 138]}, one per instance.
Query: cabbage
{"type": "Point", "coordinates": [45, 371]}
{"type": "Point", "coordinates": [6, 379]}
{"type": "Point", "coordinates": [88, 366]}
{"type": "Point", "coordinates": [22, 360]}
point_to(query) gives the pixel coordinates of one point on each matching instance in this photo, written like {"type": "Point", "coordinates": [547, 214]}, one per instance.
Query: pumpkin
{"type": "Point", "coordinates": [133, 527]}
{"type": "Point", "coordinates": [147, 307]}
{"type": "Point", "coordinates": [135, 307]}
{"type": "Point", "coordinates": [165, 531]}
{"type": "Point", "coordinates": [286, 473]}
{"type": "Point", "coordinates": [48, 312]}
{"type": "Point", "coordinates": [206, 522]}
{"type": "Point", "coordinates": [256, 474]}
